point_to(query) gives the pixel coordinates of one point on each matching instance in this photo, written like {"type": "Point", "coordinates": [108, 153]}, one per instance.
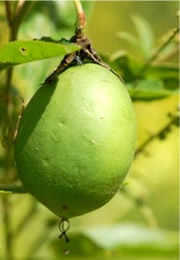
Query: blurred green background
{"type": "Point", "coordinates": [122, 229]}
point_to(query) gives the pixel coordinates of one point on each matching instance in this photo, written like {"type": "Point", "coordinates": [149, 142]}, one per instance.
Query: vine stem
{"type": "Point", "coordinates": [81, 19]}
{"type": "Point", "coordinates": [14, 20]}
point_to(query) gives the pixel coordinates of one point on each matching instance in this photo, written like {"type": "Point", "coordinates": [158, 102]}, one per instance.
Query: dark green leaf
{"type": "Point", "coordinates": [148, 89]}
{"type": "Point", "coordinates": [164, 71]}
{"type": "Point", "coordinates": [124, 64]}
{"type": "Point", "coordinates": [168, 73]}
{"type": "Point", "coordinates": [164, 77]}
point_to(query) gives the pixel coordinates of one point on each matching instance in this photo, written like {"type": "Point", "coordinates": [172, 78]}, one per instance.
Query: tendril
{"type": "Point", "coordinates": [64, 226]}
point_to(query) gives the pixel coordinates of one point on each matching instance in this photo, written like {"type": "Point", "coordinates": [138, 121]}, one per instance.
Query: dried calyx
{"type": "Point", "coordinates": [85, 54]}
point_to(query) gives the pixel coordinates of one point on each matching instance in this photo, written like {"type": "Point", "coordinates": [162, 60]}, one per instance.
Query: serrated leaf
{"type": "Point", "coordinates": [19, 52]}
{"type": "Point", "coordinates": [145, 35]}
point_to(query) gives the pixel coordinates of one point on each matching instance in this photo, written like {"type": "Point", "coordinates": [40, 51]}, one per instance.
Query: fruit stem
{"type": "Point", "coordinates": [81, 19]}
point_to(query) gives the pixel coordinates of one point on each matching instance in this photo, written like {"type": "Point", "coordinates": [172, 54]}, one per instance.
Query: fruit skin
{"type": "Point", "coordinates": [76, 140]}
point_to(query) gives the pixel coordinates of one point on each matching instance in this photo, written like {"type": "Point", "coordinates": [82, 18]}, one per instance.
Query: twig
{"type": "Point", "coordinates": [157, 52]}
{"type": "Point", "coordinates": [19, 6]}
{"type": "Point", "coordinates": [40, 240]}
{"type": "Point", "coordinates": [20, 13]}
{"type": "Point", "coordinates": [140, 202]}
{"type": "Point", "coordinates": [12, 188]}
{"type": "Point", "coordinates": [8, 11]}
{"type": "Point", "coordinates": [160, 134]}
{"type": "Point", "coordinates": [169, 56]}
{"type": "Point", "coordinates": [14, 21]}
{"type": "Point", "coordinates": [26, 219]}
{"type": "Point", "coordinates": [7, 232]}
{"type": "Point", "coordinates": [19, 119]}
{"type": "Point", "coordinates": [7, 116]}
{"type": "Point", "coordinates": [149, 215]}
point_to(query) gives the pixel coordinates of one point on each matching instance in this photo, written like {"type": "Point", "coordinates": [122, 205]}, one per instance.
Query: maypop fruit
{"type": "Point", "coordinates": [76, 140]}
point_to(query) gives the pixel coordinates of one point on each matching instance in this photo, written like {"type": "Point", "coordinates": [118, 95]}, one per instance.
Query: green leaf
{"type": "Point", "coordinates": [168, 73]}
{"type": "Point", "coordinates": [161, 79]}
{"type": "Point", "coordinates": [126, 65]}
{"type": "Point", "coordinates": [130, 237]}
{"type": "Point", "coordinates": [121, 241]}
{"type": "Point", "coordinates": [19, 52]}
{"type": "Point", "coordinates": [80, 246]}
{"type": "Point", "coordinates": [130, 38]}
{"type": "Point", "coordinates": [145, 35]}
{"type": "Point", "coordinates": [164, 71]}
{"type": "Point", "coordinates": [52, 18]}
{"type": "Point", "coordinates": [148, 89]}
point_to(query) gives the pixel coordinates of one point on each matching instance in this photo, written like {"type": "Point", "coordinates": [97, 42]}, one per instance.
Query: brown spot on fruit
{"type": "Point", "coordinates": [65, 207]}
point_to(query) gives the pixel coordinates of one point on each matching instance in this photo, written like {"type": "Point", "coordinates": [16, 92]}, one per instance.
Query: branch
{"type": "Point", "coordinates": [40, 240]}
{"type": "Point", "coordinates": [7, 231]}
{"type": "Point", "coordinates": [8, 11]}
{"type": "Point", "coordinates": [26, 219]}
{"type": "Point", "coordinates": [19, 6]}
{"type": "Point", "coordinates": [14, 21]}
{"type": "Point", "coordinates": [81, 19]}
{"type": "Point", "coordinates": [21, 11]}
{"type": "Point", "coordinates": [161, 134]}
{"type": "Point", "coordinates": [157, 52]}
{"type": "Point", "coordinates": [140, 202]}
{"type": "Point", "coordinates": [172, 54]}
{"type": "Point", "coordinates": [12, 188]}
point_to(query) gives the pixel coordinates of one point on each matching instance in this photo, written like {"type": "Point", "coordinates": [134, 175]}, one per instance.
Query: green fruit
{"type": "Point", "coordinates": [76, 140]}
